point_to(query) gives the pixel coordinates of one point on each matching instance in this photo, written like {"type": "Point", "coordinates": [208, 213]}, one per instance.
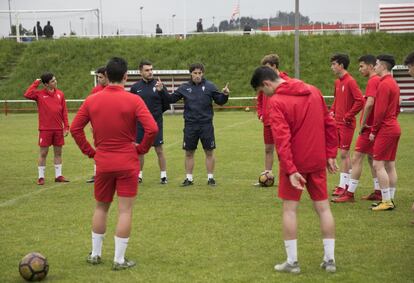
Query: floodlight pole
{"type": "Point", "coordinates": [10, 18]}
{"type": "Point", "coordinates": [142, 25]}
{"type": "Point", "coordinates": [101, 17]}
{"type": "Point", "coordinates": [297, 72]}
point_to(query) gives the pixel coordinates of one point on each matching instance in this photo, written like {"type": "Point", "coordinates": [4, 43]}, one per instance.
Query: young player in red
{"type": "Point", "coordinates": [102, 83]}
{"type": "Point", "coordinates": [306, 143]}
{"type": "Point", "coordinates": [347, 103]}
{"type": "Point", "coordinates": [363, 145]}
{"type": "Point", "coordinates": [272, 61]}
{"type": "Point", "coordinates": [386, 131]}
{"type": "Point", "coordinates": [113, 114]}
{"type": "Point", "coordinates": [53, 123]}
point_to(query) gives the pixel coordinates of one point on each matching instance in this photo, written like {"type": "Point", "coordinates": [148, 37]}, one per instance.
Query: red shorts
{"type": "Point", "coordinates": [385, 148]}
{"type": "Point", "coordinates": [125, 183]}
{"type": "Point", "coordinates": [48, 138]}
{"type": "Point", "coordinates": [363, 144]}
{"type": "Point", "coordinates": [267, 135]}
{"type": "Point", "coordinates": [345, 135]}
{"type": "Point", "coordinates": [315, 184]}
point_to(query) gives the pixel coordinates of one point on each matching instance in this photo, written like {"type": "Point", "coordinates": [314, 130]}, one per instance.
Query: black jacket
{"type": "Point", "coordinates": [198, 99]}
{"type": "Point", "coordinates": [156, 101]}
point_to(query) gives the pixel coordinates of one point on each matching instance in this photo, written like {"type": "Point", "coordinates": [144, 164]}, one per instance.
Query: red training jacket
{"type": "Point", "coordinates": [97, 88]}
{"type": "Point", "coordinates": [304, 132]}
{"type": "Point", "coordinates": [53, 114]}
{"type": "Point", "coordinates": [348, 100]}
{"type": "Point", "coordinates": [387, 108]}
{"type": "Point", "coordinates": [113, 114]}
{"type": "Point", "coordinates": [370, 91]}
{"type": "Point", "coordinates": [262, 103]}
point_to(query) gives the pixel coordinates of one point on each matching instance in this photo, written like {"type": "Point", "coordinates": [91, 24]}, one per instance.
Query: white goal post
{"type": "Point", "coordinates": [35, 14]}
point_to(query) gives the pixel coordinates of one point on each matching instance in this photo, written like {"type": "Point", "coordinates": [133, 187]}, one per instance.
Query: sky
{"type": "Point", "coordinates": [127, 16]}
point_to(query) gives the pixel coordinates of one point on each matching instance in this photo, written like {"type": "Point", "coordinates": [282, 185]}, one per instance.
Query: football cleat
{"type": "Point", "coordinates": [163, 181]}
{"type": "Point", "coordinates": [61, 179]}
{"type": "Point", "coordinates": [338, 191]}
{"type": "Point", "coordinates": [125, 265]}
{"type": "Point", "coordinates": [329, 265]}
{"type": "Point", "coordinates": [41, 181]}
{"type": "Point", "coordinates": [346, 197]}
{"type": "Point", "coordinates": [139, 180]}
{"type": "Point", "coordinates": [187, 183]}
{"type": "Point", "coordinates": [384, 205]}
{"type": "Point", "coordinates": [91, 180]}
{"type": "Point", "coordinates": [375, 196]}
{"type": "Point", "coordinates": [211, 182]}
{"type": "Point", "coordinates": [93, 259]}
{"type": "Point", "coordinates": [287, 267]}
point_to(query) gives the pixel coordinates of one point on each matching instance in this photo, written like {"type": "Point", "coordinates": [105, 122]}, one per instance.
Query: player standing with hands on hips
{"type": "Point", "coordinates": [53, 123]}
{"type": "Point", "coordinates": [113, 114]}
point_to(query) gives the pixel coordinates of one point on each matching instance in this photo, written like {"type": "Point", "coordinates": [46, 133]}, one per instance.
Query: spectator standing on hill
{"type": "Point", "coordinates": [386, 131]}
{"type": "Point", "coordinates": [198, 95]}
{"type": "Point", "coordinates": [37, 30]}
{"type": "Point", "coordinates": [102, 82]}
{"type": "Point", "coordinates": [53, 123]}
{"type": "Point", "coordinates": [272, 61]}
{"type": "Point", "coordinates": [363, 145]}
{"type": "Point", "coordinates": [158, 30]}
{"type": "Point", "coordinates": [200, 25]}
{"type": "Point", "coordinates": [114, 113]}
{"type": "Point", "coordinates": [347, 103]}
{"type": "Point", "coordinates": [156, 97]}
{"type": "Point", "coordinates": [306, 142]}
{"type": "Point", "coordinates": [48, 30]}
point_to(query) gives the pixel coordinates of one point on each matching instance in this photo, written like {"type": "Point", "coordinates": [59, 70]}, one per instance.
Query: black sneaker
{"type": "Point", "coordinates": [163, 181]}
{"type": "Point", "coordinates": [139, 180]}
{"type": "Point", "coordinates": [91, 180]}
{"type": "Point", "coordinates": [211, 182]}
{"type": "Point", "coordinates": [187, 183]}
{"type": "Point", "coordinates": [121, 266]}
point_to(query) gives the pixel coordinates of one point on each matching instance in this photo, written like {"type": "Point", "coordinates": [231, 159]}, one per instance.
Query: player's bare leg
{"type": "Point", "coordinates": [384, 183]}
{"type": "Point", "coordinates": [123, 230]}
{"type": "Point", "coordinates": [344, 175]}
{"type": "Point", "coordinates": [41, 164]}
{"type": "Point", "coordinates": [289, 228]}
{"type": "Point", "coordinates": [189, 166]}
{"type": "Point", "coordinates": [98, 231]}
{"type": "Point", "coordinates": [348, 196]}
{"type": "Point", "coordinates": [327, 224]}
{"type": "Point", "coordinates": [162, 163]}
{"type": "Point", "coordinates": [141, 167]}
{"type": "Point", "coordinates": [58, 164]}
{"type": "Point", "coordinates": [392, 177]}
{"type": "Point", "coordinates": [269, 156]}
{"type": "Point", "coordinates": [210, 164]}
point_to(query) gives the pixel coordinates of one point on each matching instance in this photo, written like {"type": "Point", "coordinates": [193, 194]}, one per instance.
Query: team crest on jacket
{"type": "Point", "coordinates": [203, 88]}
{"type": "Point", "coordinates": [343, 88]}
{"type": "Point", "coordinates": [58, 96]}
{"type": "Point", "coordinates": [189, 89]}
{"type": "Point", "coordinates": [153, 89]}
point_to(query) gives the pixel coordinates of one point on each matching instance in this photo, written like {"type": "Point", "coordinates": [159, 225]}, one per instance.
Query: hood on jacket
{"type": "Point", "coordinates": [293, 87]}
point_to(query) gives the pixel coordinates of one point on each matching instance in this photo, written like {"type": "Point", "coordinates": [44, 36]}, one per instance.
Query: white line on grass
{"type": "Point", "coordinates": [35, 192]}
{"type": "Point", "coordinates": [38, 191]}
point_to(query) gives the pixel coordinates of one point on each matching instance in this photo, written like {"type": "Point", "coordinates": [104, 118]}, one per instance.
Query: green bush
{"type": "Point", "coordinates": [227, 58]}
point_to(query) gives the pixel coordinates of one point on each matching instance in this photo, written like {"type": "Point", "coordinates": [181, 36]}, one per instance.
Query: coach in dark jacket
{"type": "Point", "coordinates": [198, 95]}
{"type": "Point", "coordinates": [156, 97]}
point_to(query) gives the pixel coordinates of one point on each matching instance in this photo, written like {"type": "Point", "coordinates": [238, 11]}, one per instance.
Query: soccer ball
{"type": "Point", "coordinates": [34, 267]}
{"type": "Point", "coordinates": [247, 109]}
{"type": "Point", "coordinates": [266, 179]}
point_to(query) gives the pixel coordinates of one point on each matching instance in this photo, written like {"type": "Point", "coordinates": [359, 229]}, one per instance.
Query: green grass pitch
{"type": "Point", "coordinates": [228, 234]}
